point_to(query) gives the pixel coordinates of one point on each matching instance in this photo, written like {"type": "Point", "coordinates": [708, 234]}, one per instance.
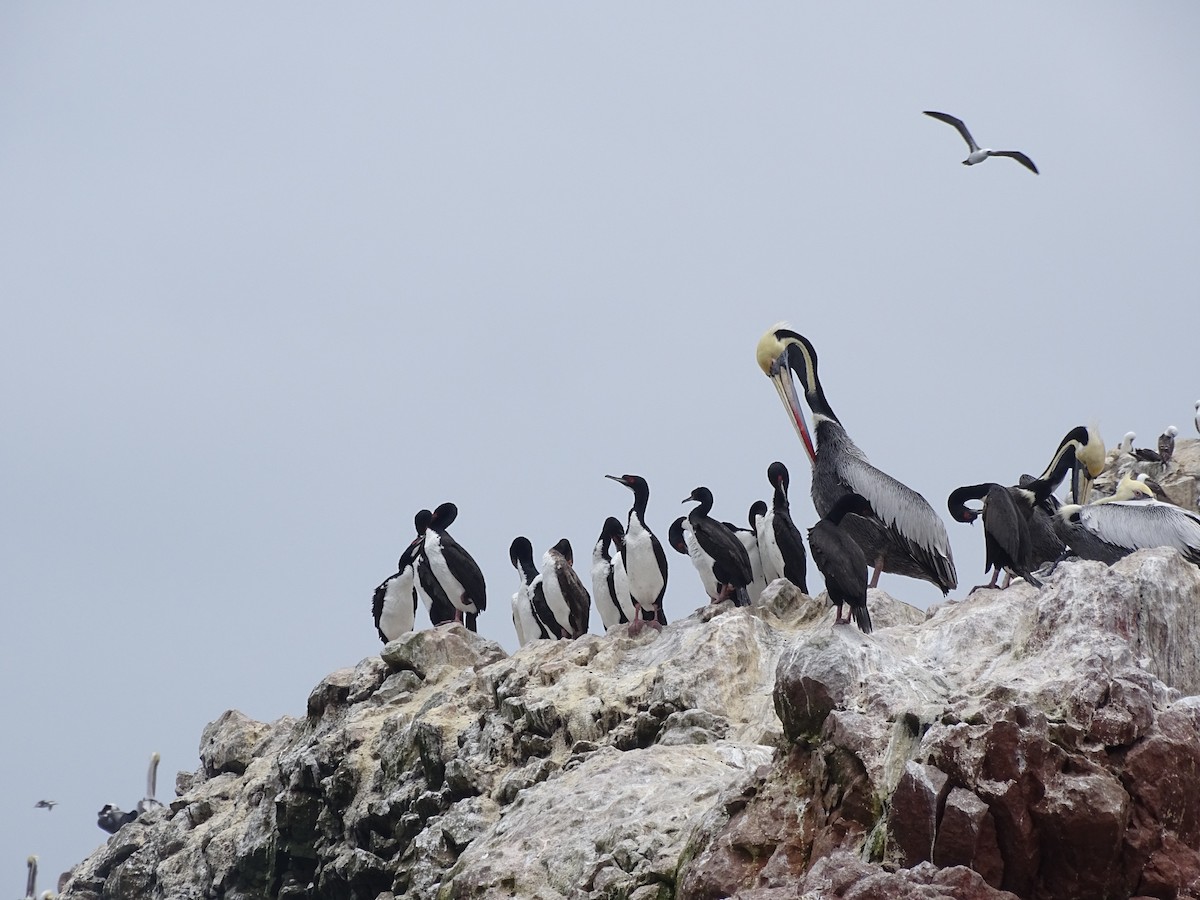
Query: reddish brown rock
{"type": "Point", "coordinates": [914, 811]}
{"type": "Point", "coordinates": [966, 836]}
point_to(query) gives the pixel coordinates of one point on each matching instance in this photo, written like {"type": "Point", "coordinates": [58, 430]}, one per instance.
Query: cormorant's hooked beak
{"type": "Point", "coordinates": [773, 357]}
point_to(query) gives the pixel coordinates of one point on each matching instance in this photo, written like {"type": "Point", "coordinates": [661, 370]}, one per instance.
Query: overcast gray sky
{"type": "Point", "coordinates": [276, 276]}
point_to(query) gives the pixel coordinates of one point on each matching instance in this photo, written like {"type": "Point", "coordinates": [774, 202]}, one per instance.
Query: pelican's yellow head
{"type": "Point", "coordinates": [777, 354]}
{"type": "Point", "coordinates": [1129, 488]}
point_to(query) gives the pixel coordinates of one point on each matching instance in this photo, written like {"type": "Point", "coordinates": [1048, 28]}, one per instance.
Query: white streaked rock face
{"type": "Point", "coordinates": [729, 754]}
{"type": "Point", "coordinates": [444, 767]}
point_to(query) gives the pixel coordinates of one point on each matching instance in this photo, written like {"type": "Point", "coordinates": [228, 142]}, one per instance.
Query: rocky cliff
{"type": "Point", "coordinates": [1044, 743]}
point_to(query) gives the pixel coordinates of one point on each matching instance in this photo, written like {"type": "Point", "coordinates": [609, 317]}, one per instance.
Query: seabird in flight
{"type": "Point", "coordinates": [979, 154]}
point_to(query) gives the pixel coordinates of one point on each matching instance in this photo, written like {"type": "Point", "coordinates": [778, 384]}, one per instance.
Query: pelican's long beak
{"type": "Point", "coordinates": [1081, 482]}
{"type": "Point", "coordinates": [781, 375]}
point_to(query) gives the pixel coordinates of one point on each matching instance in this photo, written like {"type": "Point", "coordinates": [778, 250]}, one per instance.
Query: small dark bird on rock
{"type": "Point", "coordinates": [841, 560]}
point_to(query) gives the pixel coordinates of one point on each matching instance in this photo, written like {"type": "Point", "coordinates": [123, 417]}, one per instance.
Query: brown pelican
{"type": "Point", "coordinates": [643, 558]}
{"type": "Point", "coordinates": [1005, 528]}
{"type": "Point", "coordinates": [610, 584]}
{"type": "Point", "coordinates": [903, 535]}
{"type": "Point", "coordinates": [31, 876]}
{"type": "Point", "coordinates": [1166, 444]}
{"type": "Point", "coordinates": [782, 546]}
{"type": "Point", "coordinates": [149, 802]}
{"type": "Point", "coordinates": [1116, 526]}
{"type": "Point", "coordinates": [453, 568]}
{"type": "Point", "coordinates": [978, 154]}
{"type": "Point", "coordinates": [841, 560]}
{"type": "Point", "coordinates": [731, 562]}
{"type": "Point", "coordinates": [1081, 452]}
{"type": "Point", "coordinates": [566, 596]}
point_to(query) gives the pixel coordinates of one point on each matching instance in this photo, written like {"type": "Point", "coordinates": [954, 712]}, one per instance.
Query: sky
{"type": "Point", "coordinates": [274, 277]}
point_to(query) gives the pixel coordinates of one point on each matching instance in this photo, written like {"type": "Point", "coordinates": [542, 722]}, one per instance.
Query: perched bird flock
{"type": "Point", "coordinates": [867, 520]}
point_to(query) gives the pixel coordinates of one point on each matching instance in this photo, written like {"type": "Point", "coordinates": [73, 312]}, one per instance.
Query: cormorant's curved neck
{"type": "Point", "coordinates": [641, 497]}
{"type": "Point", "coordinates": [528, 568]}
{"type": "Point", "coordinates": [780, 500]}
{"type": "Point", "coordinates": [705, 505]}
{"type": "Point", "coordinates": [957, 501]}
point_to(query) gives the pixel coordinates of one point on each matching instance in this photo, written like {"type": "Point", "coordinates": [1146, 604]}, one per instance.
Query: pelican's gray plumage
{"type": "Point", "coordinates": [566, 596]}
{"type": "Point", "coordinates": [731, 563]}
{"type": "Point", "coordinates": [979, 154]}
{"type": "Point", "coordinates": [31, 865]}
{"type": "Point", "coordinates": [841, 560]}
{"type": "Point", "coordinates": [610, 584]}
{"type": "Point", "coordinates": [1116, 526]}
{"type": "Point", "coordinates": [903, 535]}
{"type": "Point", "coordinates": [643, 557]}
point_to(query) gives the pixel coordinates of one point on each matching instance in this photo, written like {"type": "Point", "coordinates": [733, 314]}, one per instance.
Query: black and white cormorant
{"type": "Point", "coordinates": [429, 592]}
{"type": "Point", "coordinates": [681, 538]}
{"type": "Point", "coordinates": [528, 625]}
{"type": "Point", "coordinates": [610, 585]}
{"type": "Point", "coordinates": [394, 603]}
{"type": "Point", "coordinates": [979, 154]}
{"type": "Point", "coordinates": [566, 596]}
{"type": "Point", "coordinates": [453, 568]}
{"type": "Point", "coordinates": [643, 557]}
{"type": "Point", "coordinates": [782, 545]}
{"type": "Point", "coordinates": [841, 560]}
{"type": "Point", "coordinates": [730, 562]}
{"type": "Point", "coordinates": [903, 535]}
{"type": "Point", "coordinates": [749, 539]}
